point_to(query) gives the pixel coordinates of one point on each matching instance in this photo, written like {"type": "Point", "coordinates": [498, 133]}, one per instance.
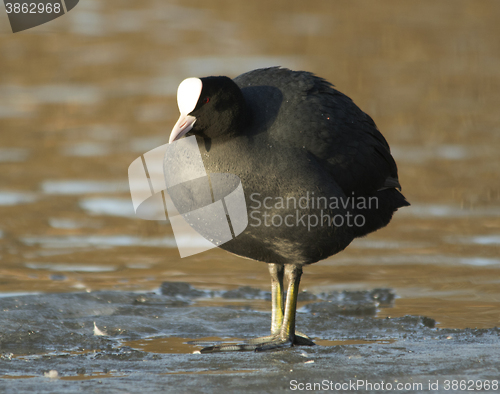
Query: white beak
{"type": "Point", "coordinates": [183, 126]}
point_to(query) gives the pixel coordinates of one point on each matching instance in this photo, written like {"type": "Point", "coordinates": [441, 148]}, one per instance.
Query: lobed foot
{"type": "Point", "coordinates": [262, 344]}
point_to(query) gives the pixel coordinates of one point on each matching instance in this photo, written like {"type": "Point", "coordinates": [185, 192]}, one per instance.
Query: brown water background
{"type": "Point", "coordinates": [82, 96]}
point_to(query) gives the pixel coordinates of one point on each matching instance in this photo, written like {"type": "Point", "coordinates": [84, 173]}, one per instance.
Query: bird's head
{"type": "Point", "coordinates": [210, 107]}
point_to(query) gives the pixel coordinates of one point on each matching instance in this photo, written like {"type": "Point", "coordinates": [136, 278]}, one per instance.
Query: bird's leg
{"type": "Point", "coordinates": [278, 304]}
{"type": "Point", "coordinates": [283, 324]}
{"type": "Point", "coordinates": [293, 275]}
{"type": "Point", "coordinates": [286, 334]}
{"type": "Point", "coordinates": [276, 272]}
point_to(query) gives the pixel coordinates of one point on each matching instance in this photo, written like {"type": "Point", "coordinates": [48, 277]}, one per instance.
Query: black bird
{"type": "Point", "coordinates": [315, 170]}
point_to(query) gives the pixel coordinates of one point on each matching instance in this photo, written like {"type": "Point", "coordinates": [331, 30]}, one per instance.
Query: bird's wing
{"type": "Point", "coordinates": [345, 140]}
{"type": "Point", "coordinates": [312, 115]}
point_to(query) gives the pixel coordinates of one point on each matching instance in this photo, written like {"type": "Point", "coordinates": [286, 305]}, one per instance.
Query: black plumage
{"type": "Point", "coordinates": [290, 135]}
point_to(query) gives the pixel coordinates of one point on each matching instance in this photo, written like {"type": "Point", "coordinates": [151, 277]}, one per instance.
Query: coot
{"type": "Point", "coordinates": [315, 170]}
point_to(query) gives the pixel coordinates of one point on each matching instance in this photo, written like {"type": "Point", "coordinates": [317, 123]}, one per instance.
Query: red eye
{"type": "Point", "coordinates": [206, 100]}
